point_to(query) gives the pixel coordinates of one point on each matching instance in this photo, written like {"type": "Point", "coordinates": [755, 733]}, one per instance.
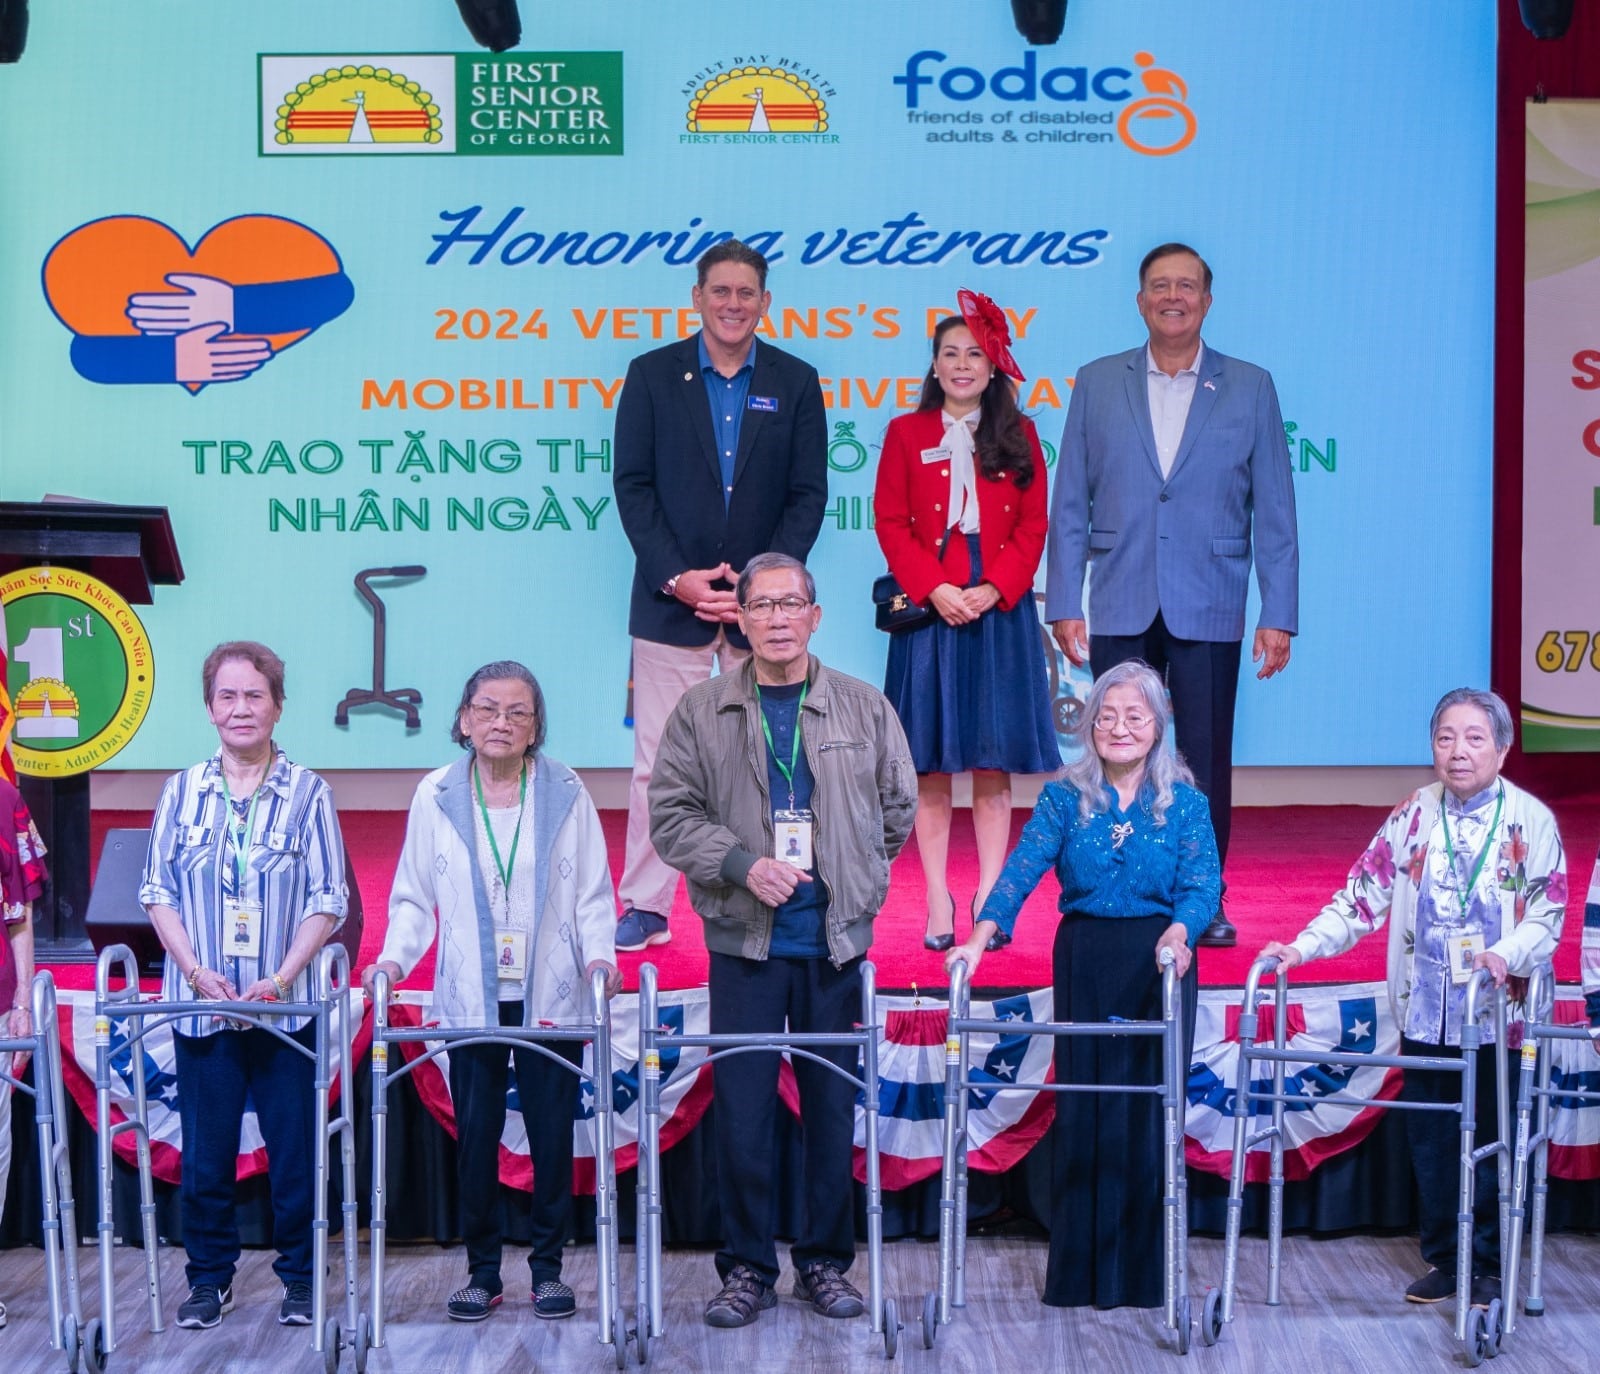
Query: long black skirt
{"type": "Point", "coordinates": [1108, 1175]}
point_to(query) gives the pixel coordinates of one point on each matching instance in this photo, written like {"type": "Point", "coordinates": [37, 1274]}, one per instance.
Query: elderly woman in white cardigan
{"type": "Point", "coordinates": [506, 847]}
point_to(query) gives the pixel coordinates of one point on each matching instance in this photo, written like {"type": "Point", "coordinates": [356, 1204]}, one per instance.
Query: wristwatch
{"type": "Point", "coordinates": [671, 585]}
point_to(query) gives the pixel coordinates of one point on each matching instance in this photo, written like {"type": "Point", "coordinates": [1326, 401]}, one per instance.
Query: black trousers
{"type": "Point", "coordinates": [1435, 1141]}
{"type": "Point", "coordinates": [548, 1093]}
{"type": "Point", "coordinates": [765, 997]}
{"type": "Point", "coordinates": [1203, 677]}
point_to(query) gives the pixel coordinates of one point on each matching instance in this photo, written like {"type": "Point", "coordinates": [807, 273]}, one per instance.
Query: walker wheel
{"type": "Point", "coordinates": [94, 1346]}
{"type": "Point", "coordinates": [619, 1337]}
{"type": "Point", "coordinates": [1475, 1344]}
{"type": "Point", "coordinates": [362, 1345]}
{"type": "Point", "coordinates": [71, 1343]}
{"type": "Point", "coordinates": [930, 1320]}
{"type": "Point", "coordinates": [1211, 1317]}
{"type": "Point", "coordinates": [891, 1328]}
{"type": "Point", "coordinates": [1185, 1325]}
{"type": "Point", "coordinates": [1493, 1327]}
{"type": "Point", "coordinates": [332, 1343]}
{"type": "Point", "coordinates": [641, 1335]}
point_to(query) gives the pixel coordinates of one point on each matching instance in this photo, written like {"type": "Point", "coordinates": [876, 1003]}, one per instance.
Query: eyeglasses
{"type": "Point", "coordinates": [763, 607]}
{"type": "Point", "coordinates": [1135, 721]}
{"type": "Point", "coordinates": [487, 712]}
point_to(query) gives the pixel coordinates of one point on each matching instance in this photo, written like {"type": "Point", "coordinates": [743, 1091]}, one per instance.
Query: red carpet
{"type": "Point", "coordinates": [1284, 863]}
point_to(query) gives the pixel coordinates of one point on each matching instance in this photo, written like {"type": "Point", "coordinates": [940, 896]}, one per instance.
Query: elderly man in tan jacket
{"type": "Point", "coordinates": [782, 791]}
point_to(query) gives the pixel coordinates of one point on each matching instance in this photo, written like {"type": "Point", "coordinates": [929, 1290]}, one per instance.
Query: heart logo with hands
{"type": "Point", "coordinates": [144, 307]}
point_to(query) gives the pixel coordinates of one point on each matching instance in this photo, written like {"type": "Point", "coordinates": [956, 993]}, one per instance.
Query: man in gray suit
{"type": "Point", "coordinates": [1173, 463]}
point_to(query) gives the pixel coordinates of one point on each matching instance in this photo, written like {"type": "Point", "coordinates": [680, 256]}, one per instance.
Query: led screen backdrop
{"type": "Point", "coordinates": [433, 264]}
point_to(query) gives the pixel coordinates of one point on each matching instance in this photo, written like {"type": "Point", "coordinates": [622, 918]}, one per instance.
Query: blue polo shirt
{"type": "Point", "coordinates": [728, 397]}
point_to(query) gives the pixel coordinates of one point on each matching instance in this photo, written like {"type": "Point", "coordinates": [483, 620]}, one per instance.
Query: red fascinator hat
{"type": "Point", "coordinates": [987, 322]}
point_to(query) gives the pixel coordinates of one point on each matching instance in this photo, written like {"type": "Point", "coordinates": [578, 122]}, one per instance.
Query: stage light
{"type": "Point", "coordinates": [1546, 18]}
{"type": "Point", "coordinates": [13, 29]}
{"type": "Point", "coordinates": [1040, 21]}
{"type": "Point", "coordinates": [494, 24]}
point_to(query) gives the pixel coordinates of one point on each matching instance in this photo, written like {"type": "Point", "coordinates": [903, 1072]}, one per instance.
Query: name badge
{"type": "Point", "coordinates": [762, 403]}
{"type": "Point", "coordinates": [936, 455]}
{"type": "Point", "coordinates": [791, 838]}
{"type": "Point", "coordinates": [511, 955]}
{"type": "Point", "coordinates": [241, 930]}
{"type": "Point", "coordinates": [1463, 950]}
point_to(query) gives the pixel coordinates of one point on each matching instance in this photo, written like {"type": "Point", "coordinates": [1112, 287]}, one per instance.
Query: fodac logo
{"type": "Point", "coordinates": [1154, 117]}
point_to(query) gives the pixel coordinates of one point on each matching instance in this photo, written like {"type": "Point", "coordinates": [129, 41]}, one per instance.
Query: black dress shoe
{"type": "Point", "coordinates": [999, 940]}
{"type": "Point", "coordinates": [1220, 934]}
{"type": "Point", "coordinates": [940, 943]}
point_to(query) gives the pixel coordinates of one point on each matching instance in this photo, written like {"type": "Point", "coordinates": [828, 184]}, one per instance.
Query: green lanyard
{"type": "Point", "coordinates": [241, 835]}
{"type": "Point", "coordinates": [794, 752]}
{"type": "Point", "coordinates": [516, 839]}
{"type": "Point", "coordinates": [1465, 897]}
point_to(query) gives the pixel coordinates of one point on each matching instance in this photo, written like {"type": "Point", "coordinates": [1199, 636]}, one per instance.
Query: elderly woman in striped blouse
{"type": "Point", "coordinates": [244, 883]}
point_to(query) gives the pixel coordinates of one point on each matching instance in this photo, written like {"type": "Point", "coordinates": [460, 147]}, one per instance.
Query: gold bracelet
{"type": "Point", "coordinates": [193, 980]}
{"type": "Point", "coordinates": [282, 987]}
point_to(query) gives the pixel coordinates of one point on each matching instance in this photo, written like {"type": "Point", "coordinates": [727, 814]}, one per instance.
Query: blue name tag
{"type": "Point", "coordinates": [762, 403]}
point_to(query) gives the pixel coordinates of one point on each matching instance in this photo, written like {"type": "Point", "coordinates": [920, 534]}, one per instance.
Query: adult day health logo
{"type": "Point", "coordinates": [144, 307]}
{"type": "Point", "coordinates": [757, 101]}
{"type": "Point", "coordinates": [1145, 107]}
{"type": "Point", "coordinates": [507, 104]}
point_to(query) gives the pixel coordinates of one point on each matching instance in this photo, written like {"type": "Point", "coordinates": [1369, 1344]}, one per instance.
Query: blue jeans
{"type": "Point", "coordinates": [218, 1075]}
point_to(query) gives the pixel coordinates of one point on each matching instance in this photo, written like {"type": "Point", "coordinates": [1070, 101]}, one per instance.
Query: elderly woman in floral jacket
{"type": "Point", "coordinates": [1469, 873]}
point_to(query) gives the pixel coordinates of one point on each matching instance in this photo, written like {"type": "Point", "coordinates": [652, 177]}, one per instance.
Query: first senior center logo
{"type": "Point", "coordinates": [145, 307]}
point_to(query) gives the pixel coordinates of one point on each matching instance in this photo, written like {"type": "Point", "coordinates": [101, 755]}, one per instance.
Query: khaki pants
{"type": "Point", "coordinates": [661, 674]}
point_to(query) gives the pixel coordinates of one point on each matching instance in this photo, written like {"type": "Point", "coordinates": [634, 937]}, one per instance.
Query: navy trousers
{"type": "Point", "coordinates": [217, 1076]}
{"type": "Point", "coordinates": [1202, 677]}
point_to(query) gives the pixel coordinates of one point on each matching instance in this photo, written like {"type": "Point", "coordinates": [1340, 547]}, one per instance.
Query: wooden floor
{"type": "Point", "coordinates": [1342, 1311]}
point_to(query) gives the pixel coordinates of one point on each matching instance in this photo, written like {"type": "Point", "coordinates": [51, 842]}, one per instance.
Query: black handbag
{"type": "Point", "coordinates": [895, 611]}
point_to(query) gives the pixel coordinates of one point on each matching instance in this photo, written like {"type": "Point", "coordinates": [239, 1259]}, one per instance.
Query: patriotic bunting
{"type": "Point", "coordinates": [1004, 1125]}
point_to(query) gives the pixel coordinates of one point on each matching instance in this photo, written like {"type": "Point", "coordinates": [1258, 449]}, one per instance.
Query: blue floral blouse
{"type": "Point", "coordinates": [1118, 863]}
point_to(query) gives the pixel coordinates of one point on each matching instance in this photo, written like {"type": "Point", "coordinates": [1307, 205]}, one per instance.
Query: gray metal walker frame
{"type": "Point", "coordinates": [1531, 1157]}
{"type": "Point", "coordinates": [1480, 1331]}
{"type": "Point", "coordinates": [437, 1040]}
{"type": "Point", "coordinates": [938, 1307]}
{"type": "Point", "coordinates": [68, 1333]}
{"type": "Point", "coordinates": [883, 1312]}
{"type": "Point", "coordinates": [119, 1000]}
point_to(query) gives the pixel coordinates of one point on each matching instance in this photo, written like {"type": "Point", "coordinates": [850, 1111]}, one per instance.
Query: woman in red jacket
{"type": "Point", "coordinates": [961, 515]}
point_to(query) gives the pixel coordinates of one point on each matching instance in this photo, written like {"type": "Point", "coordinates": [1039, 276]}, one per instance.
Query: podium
{"type": "Point", "coordinates": [132, 550]}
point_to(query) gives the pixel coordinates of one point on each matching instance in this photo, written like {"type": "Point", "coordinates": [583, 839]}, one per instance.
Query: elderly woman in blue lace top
{"type": "Point", "coordinates": [1129, 837]}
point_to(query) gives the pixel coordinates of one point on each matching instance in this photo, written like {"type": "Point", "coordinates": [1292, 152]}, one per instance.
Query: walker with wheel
{"type": "Point", "coordinates": [884, 1312]}
{"type": "Point", "coordinates": [938, 1307]}
{"type": "Point", "coordinates": [68, 1332]}
{"type": "Point", "coordinates": [118, 1001]}
{"type": "Point", "coordinates": [1531, 1156]}
{"type": "Point", "coordinates": [1479, 1330]}
{"type": "Point", "coordinates": [432, 1041]}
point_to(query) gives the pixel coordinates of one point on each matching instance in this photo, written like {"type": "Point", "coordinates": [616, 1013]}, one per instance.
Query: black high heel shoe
{"type": "Point", "coordinates": [999, 940]}
{"type": "Point", "coordinates": [940, 943]}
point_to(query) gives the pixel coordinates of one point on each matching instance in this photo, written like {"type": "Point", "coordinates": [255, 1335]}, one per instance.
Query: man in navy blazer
{"type": "Point", "coordinates": [1173, 468]}
{"type": "Point", "coordinates": [721, 454]}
